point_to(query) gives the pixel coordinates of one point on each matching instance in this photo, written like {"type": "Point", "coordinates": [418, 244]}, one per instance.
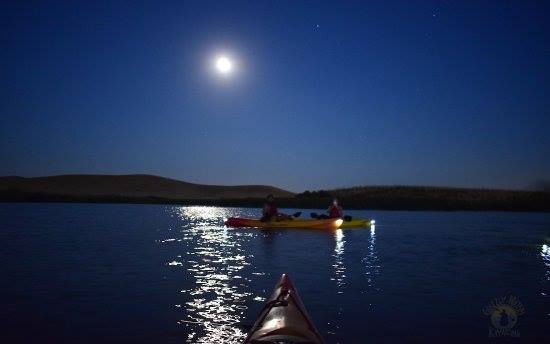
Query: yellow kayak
{"type": "Point", "coordinates": [299, 223]}
{"type": "Point", "coordinates": [294, 223]}
{"type": "Point", "coordinates": [357, 223]}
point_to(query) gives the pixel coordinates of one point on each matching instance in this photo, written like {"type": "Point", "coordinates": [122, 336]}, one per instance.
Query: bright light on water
{"type": "Point", "coordinates": [545, 254]}
{"type": "Point", "coordinates": [339, 267]}
{"type": "Point", "coordinates": [371, 262]}
{"type": "Point", "coordinates": [215, 260]}
{"type": "Point", "coordinates": [206, 214]}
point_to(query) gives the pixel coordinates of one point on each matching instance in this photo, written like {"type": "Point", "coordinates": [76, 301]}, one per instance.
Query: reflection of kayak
{"type": "Point", "coordinates": [294, 223]}
{"type": "Point", "coordinates": [357, 223]}
{"type": "Point", "coordinates": [284, 319]}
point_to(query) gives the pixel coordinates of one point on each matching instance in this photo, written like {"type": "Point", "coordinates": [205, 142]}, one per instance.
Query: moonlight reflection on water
{"type": "Point", "coordinates": [214, 259]}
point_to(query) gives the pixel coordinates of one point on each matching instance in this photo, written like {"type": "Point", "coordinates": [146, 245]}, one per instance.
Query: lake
{"type": "Point", "coordinates": [174, 274]}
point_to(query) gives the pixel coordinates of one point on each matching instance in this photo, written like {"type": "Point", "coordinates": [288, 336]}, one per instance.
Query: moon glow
{"type": "Point", "coordinates": [224, 65]}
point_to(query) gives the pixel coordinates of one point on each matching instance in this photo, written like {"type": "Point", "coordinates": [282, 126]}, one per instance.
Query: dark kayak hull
{"type": "Point", "coordinates": [284, 318]}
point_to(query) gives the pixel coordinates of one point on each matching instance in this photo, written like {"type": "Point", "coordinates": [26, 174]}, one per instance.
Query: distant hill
{"type": "Point", "coordinates": [130, 186]}
{"type": "Point", "coordinates": [153, 189]}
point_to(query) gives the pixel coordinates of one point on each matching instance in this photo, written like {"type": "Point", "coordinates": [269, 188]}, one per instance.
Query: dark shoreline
{"type": "Point", "coordinates": [518, 201]}
{"type": "Point", "coordinates": [149, 189]}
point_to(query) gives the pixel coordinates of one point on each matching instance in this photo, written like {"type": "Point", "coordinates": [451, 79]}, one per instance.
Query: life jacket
{"type": "Point", "coordinates": [334, 212]}
{"type": "Point", "coordinates": [271, 210]}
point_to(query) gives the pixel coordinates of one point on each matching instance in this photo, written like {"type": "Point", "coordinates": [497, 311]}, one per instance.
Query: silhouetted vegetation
{"type": "Point", "coordinates": [542, 185]}
{"type": "Point", "coordinates": [314, 194]}
{"type": "Point", "coordinates": [388, 198]}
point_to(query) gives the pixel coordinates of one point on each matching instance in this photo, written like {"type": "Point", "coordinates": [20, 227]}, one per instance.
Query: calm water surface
{"type": "Point", "coordinates": [171, 274]}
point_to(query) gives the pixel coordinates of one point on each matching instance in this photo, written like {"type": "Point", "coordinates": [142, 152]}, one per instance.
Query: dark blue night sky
{"type": "Point", "coordinates": [321, 95]}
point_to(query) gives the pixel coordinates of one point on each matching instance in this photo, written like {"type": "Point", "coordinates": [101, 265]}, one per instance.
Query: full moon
{"type": "Point", "coordinates": [223, 65]}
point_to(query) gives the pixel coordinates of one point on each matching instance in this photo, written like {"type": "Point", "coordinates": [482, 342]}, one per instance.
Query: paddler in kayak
{"type": "Point", "coordinates": [270, 211]}
{"type": "Point", "coordinates": [335, 211]}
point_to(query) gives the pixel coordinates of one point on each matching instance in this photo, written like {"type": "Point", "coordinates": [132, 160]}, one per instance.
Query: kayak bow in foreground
{"type": "Point", "coordinates": [284, 319]}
